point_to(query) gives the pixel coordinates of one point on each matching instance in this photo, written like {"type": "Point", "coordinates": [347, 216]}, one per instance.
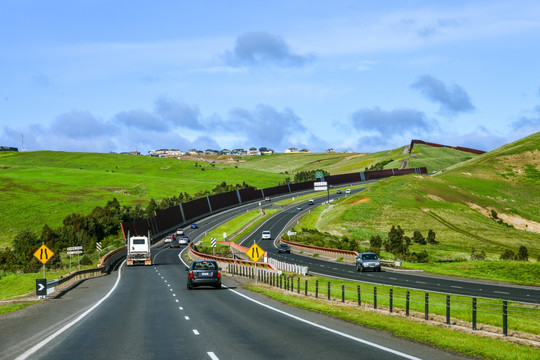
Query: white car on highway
{"type": "Point", "coordinates": [266, 235]}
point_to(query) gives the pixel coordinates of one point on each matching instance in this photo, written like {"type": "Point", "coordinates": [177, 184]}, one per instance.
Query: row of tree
{"type": "Point", "coordinates": [102, 224]}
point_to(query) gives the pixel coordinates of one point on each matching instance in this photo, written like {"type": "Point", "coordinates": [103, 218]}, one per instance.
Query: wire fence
{"type": "Point", "coordinates": [499, 316]}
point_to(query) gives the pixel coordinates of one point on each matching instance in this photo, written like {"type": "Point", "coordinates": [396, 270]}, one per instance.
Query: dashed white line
{"type": "Point", "coordinates": [391, 278]}
{"type": "Point", "coordinates": [501, 292]}
{"type": "Point", "coordinates": [457, 287]}
{"type": "Point", "coordinates": [178, 301]}
{"type": "Point", "coordinates": [186, 317]}
{"type": "Point", "coordinates": [212, 355]}
{"type": "Point", "coordinates": [419, 282]}
{"type": "Point", "coordinates": [195, 332]}
{"type": "Point", "coordinates": [180, 308]}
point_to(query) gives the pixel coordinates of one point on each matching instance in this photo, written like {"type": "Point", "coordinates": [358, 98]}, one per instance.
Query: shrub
{"type": "Point", "coordinates": [477, 255]}
{"type": "Point", "coordinates": [419, 238]}
{"type": "Point", "coordinates": [507, 255]}
{"type": "Point", "coordinates": [85, 260]}
{"type": "Point", "coordinates": [431, 237]}
{"type": "Point", "coordinates": [523, 254]}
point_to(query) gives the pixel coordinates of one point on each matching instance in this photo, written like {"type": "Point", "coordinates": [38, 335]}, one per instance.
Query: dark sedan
{"type": "Point", "coordinates": [284, 248]}
{"type": "Point", "coordinates": [204, 273]}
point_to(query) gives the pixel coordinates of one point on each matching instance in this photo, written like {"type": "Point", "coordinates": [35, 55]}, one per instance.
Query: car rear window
{"type": "Point", "coordinates": [204, 266]}
{"type": "Point", "coordinates": [138, 241]}
{"type": "Point", "coordinates": [369, 257]}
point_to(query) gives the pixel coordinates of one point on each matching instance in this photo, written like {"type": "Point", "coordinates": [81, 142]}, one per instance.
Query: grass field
{"type": "Point", "coordinates": [456, 204]}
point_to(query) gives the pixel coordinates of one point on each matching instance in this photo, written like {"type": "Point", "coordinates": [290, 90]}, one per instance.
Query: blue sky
{"type": "Point", "coordinates": [101, 76]}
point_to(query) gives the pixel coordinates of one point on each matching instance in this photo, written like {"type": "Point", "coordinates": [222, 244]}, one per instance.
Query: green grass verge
{"type": "Point", "coordinates": [443, 338]}
{"type": "Point", "coordinates": [4, 309]}
{"type": "Point", "coordinates": [12, 285]}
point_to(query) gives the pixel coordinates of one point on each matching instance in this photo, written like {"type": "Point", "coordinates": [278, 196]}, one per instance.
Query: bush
{"type": "Point", "coordinates": [477, 255]}
{"type": "Point", "coordinates": [85, 260]}
{"type": "Point", "coordinates": [507, 255]}
{"type": "Point", "coordinates": [523, 254]}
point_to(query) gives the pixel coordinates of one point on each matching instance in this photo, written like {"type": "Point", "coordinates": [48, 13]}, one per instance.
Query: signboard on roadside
{"type": "Point", "coordinates": [43, 254]}
{"type": "Point", "coordinates": [41, 287]}
{"type": "Point", "coordinates": [255, 252]}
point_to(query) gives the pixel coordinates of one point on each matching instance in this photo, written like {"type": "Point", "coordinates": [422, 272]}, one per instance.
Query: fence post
{"type": "Point", "coordinates": [448, 309]}
{"type": "Point", "coordinates": [292, 284]}
{"type": "Point", "coordinates": [391, 299]}
{"type": "Point", "coordinates": [317, 288]}
{"type": "Point", "coordinates": [474, 313]}
{"type": "Point", "coordinates": [374, 297]}
{"type": "Point", "coordinates": [281, 281]}
{"type": "Point", "coordinates": [342, 292]}
{"type": "Point", "coordinates": [505, 317]}
{"type": "Point", "coordinates": [359, 298]}
{"type": "Point", "coordinates": [298, 287]}
{"type": "Point", "coordinates": [329, 290]}
{"type": "Point", "coordinates": [305, 288]}
{"type": "Point", "coordinates": [427, 307]}
{"type": "Point", "coordinates": [408, 301]}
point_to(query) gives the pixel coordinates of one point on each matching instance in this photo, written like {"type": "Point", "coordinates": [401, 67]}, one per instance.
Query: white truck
{"type": "Point", "coordinates": [138, 250]}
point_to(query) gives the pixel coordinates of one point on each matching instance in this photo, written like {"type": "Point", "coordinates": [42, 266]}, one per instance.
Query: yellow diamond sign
{"type": "Point", "coordinates": [255, 252]}
{"type": "Point", "coordinates": [43, 254]}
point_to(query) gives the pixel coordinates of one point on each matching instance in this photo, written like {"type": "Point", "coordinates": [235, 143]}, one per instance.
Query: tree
{"type": "Point", "coordinates": [431, 237]}
{"type": "Point", "coordinates": [395, 243]}
{"type": "Point", "coordinates": [419, 238]}
{"type": "Point", "coordinates": [375, 241]}
{"type": "Point", "coordinates": [523, 254]}
{"type": "Point", "coordinates": [508, 255]}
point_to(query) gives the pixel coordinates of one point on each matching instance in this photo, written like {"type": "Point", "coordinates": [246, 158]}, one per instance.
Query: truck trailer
{"type": "Point", "coordinates": [138, 250]}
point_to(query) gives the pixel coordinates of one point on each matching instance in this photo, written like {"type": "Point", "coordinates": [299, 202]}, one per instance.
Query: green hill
{"type": "Point", "coordinates": [43, 187]}
{"type": "Point", "coordinates": [456, 203]}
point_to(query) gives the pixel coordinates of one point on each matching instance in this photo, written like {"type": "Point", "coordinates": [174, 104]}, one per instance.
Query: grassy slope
{"type": "Point", "coordinates": [44, 186]}
{"type": "Point", "coordinates": [506, 179]}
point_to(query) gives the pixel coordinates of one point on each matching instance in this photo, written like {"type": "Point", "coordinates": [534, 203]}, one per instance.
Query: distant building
{"type": "Point", "coordinates": [305, 150]}
{"type": "Point", "coordinates": [291, 150]}
{"type": "Point", "coordinates": [253, 151]}
{"type": "Point", "coordinates": [330, 150]}
{"type": "Point", "coordinates": [225, 152]}
{"type": "Point", "coordinates": [265, 151]}
{"type": "Point", "coordinates": [211, 152]}
{"type": "Point", "coordinates": [8, 148]}
{"type": "Point", "coordinates": [239, 152]}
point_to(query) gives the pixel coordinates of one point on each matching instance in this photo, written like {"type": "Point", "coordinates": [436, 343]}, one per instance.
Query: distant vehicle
{"type": "Point", "coordinates": [183, 240]}
{"type": "Point", "coordinates": [174, 243]}
{"type": "Point", "coordinates": [179, 232]}
{"type": "Point", "coordinates": [348, 191]}
{"type": "Point", "coordinates": [266, 235]}
{"type": "Point", "coordinates": [284, 248]}
{"type": "Point", "coordinates": [311, 202]}
{"type": "Point", "coordinates": [267, 198]}
{"type": "Point", "coordinates": [367, 260]}
{"type": "Point", "coordinates": [168, 239]}
{"type": "Point", "coordinates": [339, 192]}
{"type": "Point", "coordinates": [138, 251]}
{"type": "Point", "coordinates": [194, 226]}
{"type": "Point", "coordinates": [204, 273]}
{"type": "Point", "coordinates": [299, 208]}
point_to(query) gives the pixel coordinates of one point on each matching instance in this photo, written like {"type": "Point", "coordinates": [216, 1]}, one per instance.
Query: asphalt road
{"type": "Point", "coordinates": [150, 314]}
{"type": "Point", "coordinates": [282, 221]}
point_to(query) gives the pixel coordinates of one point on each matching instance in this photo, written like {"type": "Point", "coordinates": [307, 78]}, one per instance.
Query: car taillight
{"type": "Point", "coordinates": [218, 274]}
{"type": "Point", "coordinates": [191, 274]}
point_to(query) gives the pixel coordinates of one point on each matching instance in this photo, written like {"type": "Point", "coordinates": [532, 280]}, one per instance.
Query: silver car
{"type": "Point", "coordinates": [367, 260]}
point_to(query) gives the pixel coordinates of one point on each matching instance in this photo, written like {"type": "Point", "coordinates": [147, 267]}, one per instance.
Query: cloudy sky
{"type": "Point", "coordinates": [101, 76]}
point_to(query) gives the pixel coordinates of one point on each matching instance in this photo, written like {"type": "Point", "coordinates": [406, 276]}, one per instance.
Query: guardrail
{"type": "Point", "coordinates": [297, 269]}
{"type": "Point", "coordinates": [332, 254]}
{"type": "Point", "coordinates": [105, 267]}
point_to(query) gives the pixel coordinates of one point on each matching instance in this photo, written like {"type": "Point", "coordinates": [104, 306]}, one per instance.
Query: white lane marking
{"type": "Point", "coordinates": [41, 344]}
{"type": "Point", "coordinates": [178, 301]}
{"type": "Point", "coordinates": [419, 282]}
{"type": "Point", "coordinates": [186, 317]}
{"type": "Point", "coordinates": [171, 289]}
{"type": "Point", "coordinates": [181, 308]}
{"type": "Point", "coordinates": [354, 338]}
{"type": "Point", "coordinates": [195, 332]}
{"type": "Point", "coordinates": [173, 294]}
{"type": "Point", "coordinates": [457, 287]}
{"type": "Point", "coordinates": [391, 278]}
{"type": "Point", "coordinates": [212, 355]}
{"type": "Point", "coordinates": [501, 292]}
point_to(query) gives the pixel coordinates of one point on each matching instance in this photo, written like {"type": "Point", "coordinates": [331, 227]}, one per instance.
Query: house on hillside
{"type": "Point", "coordinates": [225, 152]}
{"type": "Point", "coordinates": [253, 151]}
{"type": "Point", "coordinates": [239, 152]}
{"type": "Point", "coordinates": [305, 150]}
{"type": "Point", "coordinates": [8, 148]}
{"type": "Point", "coordinates": [211, 152]}
{"type": "Point", "coordinates": [291, 150]}
{"type": "Point", "coordinates": [265, 151]}
{"type": "Point", "coordinates": [330, 150]}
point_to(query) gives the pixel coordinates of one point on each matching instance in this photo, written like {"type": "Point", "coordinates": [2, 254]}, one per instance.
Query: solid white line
{"type": "Point", "coordinates": [212, 355]}
{"type": "Point", "coordinates": [195, 332]}
{"type": "Point", "coordinates": [326, 328]}
{"type": "Point", "coordinates": [40, 345]}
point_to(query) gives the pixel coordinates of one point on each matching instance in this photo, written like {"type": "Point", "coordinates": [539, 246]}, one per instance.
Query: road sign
{"type": "Point", "coordinates": [75, 252]}
{"type": "Point", "coordinates": [255, 252]}
{"type": "Point", "coordinates": [41, 287]}
{"type": "Point", "coordinates": [213, 242]}
{"type": "Point", "coordinates": [224, 235]}
{"type": "Point", "coordinates": [318, 174]}
{"type": "Point", "coordinates": [43, 254]}
{"type": "Point", "coordinates": [74, 248]}
{"type": "Point", "coordinates": [291, 233]}
{"type": "Point", "coordinates": [320, 185]}
{"type": "Point", "coordinates": [98, 246]}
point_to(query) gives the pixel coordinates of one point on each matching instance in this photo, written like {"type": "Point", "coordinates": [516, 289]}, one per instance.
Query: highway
{"type": "Point", "coordinates": [414, 280]}
{"type": "Point", "coordinates": [150, 314]}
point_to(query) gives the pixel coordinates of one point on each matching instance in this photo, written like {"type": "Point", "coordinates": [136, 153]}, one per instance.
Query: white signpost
{"type": "Point", "coordinates": [322, 186]}
{"type": "Point", "coordinates": [74, 250]}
